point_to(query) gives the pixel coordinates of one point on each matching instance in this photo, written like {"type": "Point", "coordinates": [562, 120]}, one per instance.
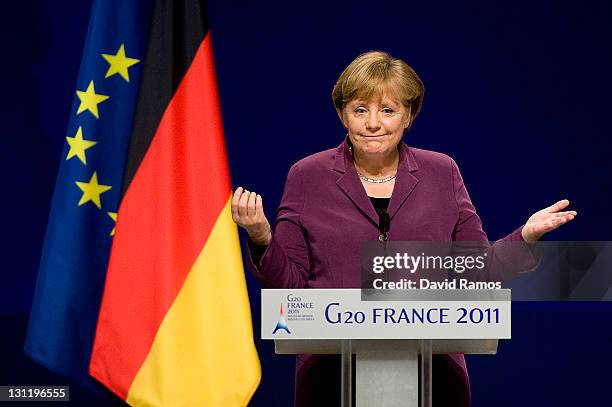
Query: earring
{"type": "Point", "coordinates": [348, 140]}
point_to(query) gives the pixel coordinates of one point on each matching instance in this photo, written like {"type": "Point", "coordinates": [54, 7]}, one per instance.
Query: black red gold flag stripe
{"type": "Point", "coordinates": [174, 325]}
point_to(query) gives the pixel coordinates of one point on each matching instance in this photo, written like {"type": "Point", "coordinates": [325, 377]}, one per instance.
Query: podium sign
{"type": "Point", "coordinates": [386, 331]}
{"type": "Point", "coordinates": [341, 314]}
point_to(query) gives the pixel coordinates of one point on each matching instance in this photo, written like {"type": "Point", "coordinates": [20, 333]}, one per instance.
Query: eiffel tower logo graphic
{"type": "Point", "coordinates": [281, 324]}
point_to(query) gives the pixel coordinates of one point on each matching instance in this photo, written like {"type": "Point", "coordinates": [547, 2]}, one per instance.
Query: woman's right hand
{"type": "Point", "coordinates": [247, 212]}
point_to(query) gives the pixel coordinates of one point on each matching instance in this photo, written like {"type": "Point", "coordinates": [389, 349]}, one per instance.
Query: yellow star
{"type": "Point", "coordinates": [119, 63]}
{"type": "Point", "coordinates": [92, 191]}
{"type": "Point", "coordinates": [90, 99]}
{"type": "Point", "coordinates": [78, 145]}
{"type": "Point", "coordinates": [113, 216]}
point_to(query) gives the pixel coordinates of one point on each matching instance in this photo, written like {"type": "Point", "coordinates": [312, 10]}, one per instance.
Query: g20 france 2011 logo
{"type": "Point", "coordinates": [281, 324]}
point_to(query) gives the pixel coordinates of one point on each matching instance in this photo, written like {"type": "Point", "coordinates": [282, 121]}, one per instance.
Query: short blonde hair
{"type": "Point", "coordinates": [376, 73]}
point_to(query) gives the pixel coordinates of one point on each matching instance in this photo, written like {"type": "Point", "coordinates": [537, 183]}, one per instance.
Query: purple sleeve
{"type": "Point", "coordinates": [507, 257]}
{"type": "Point", "coordinates": [284, 263]}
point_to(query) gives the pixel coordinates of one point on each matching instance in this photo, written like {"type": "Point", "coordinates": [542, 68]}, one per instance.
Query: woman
{"type": "Point", "coordinates": [332, 201]}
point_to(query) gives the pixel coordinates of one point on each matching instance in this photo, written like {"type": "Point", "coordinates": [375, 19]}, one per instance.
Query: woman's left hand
{"type": "Point", "coordinates": [547, 219]}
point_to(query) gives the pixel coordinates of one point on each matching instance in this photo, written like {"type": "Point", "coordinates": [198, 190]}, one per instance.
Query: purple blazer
{"type": "Point", "coordinates": [325, 214]}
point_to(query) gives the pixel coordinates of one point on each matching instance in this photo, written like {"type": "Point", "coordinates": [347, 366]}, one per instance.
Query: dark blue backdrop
{"type": "Point", "coordinates": [518, 93]}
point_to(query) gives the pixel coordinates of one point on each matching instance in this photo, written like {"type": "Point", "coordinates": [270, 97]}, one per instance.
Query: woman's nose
{"type": "Point", "coordinates": [372, 122]}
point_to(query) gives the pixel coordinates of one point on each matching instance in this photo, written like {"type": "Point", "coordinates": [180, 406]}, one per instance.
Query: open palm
{"type": "Point", "coordinates": [547, 219]}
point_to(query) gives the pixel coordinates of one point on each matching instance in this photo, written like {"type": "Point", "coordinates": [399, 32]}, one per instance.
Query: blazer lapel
{"type": "Point", "coordinates": [405, 182]}
{"type": "Point", "coordinates": [351, 185]}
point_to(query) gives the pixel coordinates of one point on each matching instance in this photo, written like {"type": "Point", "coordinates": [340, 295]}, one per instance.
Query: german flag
{"type": "Point", "coordinates": [174, 326]}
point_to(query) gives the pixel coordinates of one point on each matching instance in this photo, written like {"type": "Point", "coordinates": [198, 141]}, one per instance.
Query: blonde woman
{"type": "Point", "coordinates": [333, 199]}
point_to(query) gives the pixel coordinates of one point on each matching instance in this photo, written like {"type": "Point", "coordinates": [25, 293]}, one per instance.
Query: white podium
{"type": "Point", "coordinates": [386, 330]}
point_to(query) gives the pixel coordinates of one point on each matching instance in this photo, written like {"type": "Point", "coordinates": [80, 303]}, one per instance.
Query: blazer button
{"type": "Point", "coordinates": [382, 238]}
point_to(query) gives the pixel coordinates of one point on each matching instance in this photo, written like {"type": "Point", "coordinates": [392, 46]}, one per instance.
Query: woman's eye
{"type": "Point", "coordinates": [387, 110]}
{"type": "Point", "coordinates": [360, 110]}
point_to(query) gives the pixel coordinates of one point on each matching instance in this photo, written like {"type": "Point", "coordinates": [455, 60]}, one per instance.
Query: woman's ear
{"type": "Point", "coordinates": [342, 115]}
{"type": "Point", "coordinates": [408, 118]}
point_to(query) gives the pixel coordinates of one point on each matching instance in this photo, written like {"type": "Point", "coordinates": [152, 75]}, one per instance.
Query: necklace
{"type": "Point", "coordinates": [372, 180]}
{"type": "Point", "coordinates": [376, 180]}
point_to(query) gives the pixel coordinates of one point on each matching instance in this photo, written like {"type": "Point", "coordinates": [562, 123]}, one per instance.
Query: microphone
{"type": "Point", "coordinates": [384, 223]}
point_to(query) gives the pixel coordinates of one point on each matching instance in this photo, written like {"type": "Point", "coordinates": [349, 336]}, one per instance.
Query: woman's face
{"type": "Point", "coordinates": [375, 126]}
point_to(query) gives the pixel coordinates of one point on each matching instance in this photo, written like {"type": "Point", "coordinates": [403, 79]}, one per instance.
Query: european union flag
{"type": "Point", "coordinates": [88, 188]}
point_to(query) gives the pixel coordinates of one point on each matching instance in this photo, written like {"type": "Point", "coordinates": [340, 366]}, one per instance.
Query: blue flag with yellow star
{"type": "Point", "coordinates": [88, 189]}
